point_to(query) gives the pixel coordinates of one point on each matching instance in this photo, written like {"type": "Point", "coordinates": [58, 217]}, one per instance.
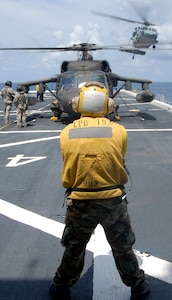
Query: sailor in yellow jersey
{"type": "Point", "coordinates": [93, 151]}
{"type": "Point", "coordinates": [94, 175]}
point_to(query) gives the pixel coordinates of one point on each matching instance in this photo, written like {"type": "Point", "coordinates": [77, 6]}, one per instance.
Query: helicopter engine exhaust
{"type": "Point", "coordinates": [145, 96]}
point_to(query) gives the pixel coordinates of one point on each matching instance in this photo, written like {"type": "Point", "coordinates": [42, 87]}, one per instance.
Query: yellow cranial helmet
{"type": "Point", "coordinates": [93, 100]}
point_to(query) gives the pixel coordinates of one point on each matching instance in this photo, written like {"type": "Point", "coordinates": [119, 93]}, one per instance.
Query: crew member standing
{"type": "Point", "coordinates": [93, 150]}
{"type": "Point", "coordinates": [37, 90]}
{"type": "Point", "coordinates": [40, 88]}
{"type": "Point", "coordinates": [21, 102]}
{"type": "Point", "coordinates": [7, 95]}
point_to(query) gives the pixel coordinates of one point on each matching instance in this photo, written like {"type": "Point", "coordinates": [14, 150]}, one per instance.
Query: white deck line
{"type": "Point", "coordinates": [106, 281]}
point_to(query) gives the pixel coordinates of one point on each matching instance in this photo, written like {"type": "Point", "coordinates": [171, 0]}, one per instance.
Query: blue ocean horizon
{"type": "Point", "coordinates": [162, 88]}
{"type": "Point", "coordinates": [159, 88]}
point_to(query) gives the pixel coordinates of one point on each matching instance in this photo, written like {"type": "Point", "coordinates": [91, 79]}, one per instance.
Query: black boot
{"type": "Point", "coordinates": [140, 291]}
{"type": "Point", "coordinates": [59, 292]}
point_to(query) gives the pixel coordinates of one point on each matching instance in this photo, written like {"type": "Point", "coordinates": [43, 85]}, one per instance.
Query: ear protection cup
{"type": "Point", "coordinates": [111, 105]}
{"type": "Point", "coordinates": [75, 103]}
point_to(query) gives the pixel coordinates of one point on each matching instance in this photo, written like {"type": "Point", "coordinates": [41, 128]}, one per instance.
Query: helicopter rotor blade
{"type": "Point", "coordinates": [38, 48]}
{"type": "Point", "coordinates": [142, 9]}
{"type": "Point", "coordinates": [145, 22]}
{"type": "Point", "coordinates": [115, 17]}
{"type": "Point", "coordinates": [76, 47]}
{"type": "Point", "coordinates": [70, 48]}
{"type": "Point", "coordinates": [85, 47]}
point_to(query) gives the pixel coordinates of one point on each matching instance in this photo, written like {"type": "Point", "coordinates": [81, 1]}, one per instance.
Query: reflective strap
{"type": "Point", "coordinates": [90, 132]}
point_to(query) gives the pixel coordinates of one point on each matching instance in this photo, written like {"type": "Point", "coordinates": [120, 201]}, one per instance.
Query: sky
{"type": "Point", "coordinates": [62, 23]}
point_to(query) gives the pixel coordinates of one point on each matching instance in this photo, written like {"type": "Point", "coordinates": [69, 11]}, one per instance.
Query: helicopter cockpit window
{"type": "Point", "coordinates": [92, 76]}
{"type": "Point", "coordinates": [100, 78]}
{"type": "Point", "coordinates": [68, 82]}
{"type": "Point", "coordinates": [77, 80]}
{"type": "Point", "coordinates": [82, 78]}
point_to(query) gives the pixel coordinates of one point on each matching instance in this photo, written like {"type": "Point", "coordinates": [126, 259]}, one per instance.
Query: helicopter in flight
{"type": "Point", "coordinates": [75, 73]}
{"type": "Point", "coordinates": [144, 35]}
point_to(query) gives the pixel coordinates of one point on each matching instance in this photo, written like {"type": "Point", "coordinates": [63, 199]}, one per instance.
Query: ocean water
{"type": "Point", "coordinates": [162, 90]}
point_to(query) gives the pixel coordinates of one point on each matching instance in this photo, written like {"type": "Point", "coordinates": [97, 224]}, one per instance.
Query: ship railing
{"type": "Point", "coordinates": [161, 102]}
{"type": "Point", "coordinates": [161, 98]}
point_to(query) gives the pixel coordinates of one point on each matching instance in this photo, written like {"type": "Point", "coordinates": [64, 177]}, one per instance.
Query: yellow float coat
{"type": "Point", "coordinates": [93, 150]}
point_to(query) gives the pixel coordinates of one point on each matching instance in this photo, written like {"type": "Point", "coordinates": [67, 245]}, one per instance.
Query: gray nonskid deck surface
{"type": "Point", "coordinates": [32, 212]}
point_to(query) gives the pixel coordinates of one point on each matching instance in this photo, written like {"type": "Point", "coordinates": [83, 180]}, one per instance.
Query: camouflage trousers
{"type": "Point", "coordinates": [7, 110]}
{"type": "Point", "coordinates": [21, 116]}
{"type": "Point", "coordinates": [82, 217]}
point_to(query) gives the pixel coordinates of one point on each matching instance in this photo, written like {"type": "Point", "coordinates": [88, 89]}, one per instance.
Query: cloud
{"type": "Point", "coordinates": [52, 23]}
{"type": "Point", "coordinates": [76, 35]}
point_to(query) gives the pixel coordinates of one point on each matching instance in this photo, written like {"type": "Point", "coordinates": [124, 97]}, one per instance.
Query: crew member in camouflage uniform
{"type": "Point", "coordinates": [21, 102]}
{"type": "Point", "coordinates": [93, 150]}
{"type": "Point", "coordinates": [7, 95]}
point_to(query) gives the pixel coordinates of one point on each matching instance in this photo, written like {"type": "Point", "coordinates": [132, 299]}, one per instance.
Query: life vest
{"type": "Point", "coordinates": [93, 151]}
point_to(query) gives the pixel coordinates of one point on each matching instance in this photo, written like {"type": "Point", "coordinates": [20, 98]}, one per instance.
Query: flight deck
{"type": "Point", "coordinates": [32, 205]}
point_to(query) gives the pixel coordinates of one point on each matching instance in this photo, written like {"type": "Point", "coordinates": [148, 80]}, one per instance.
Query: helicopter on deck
{"type": "Point", "coordinates": [75, 73]}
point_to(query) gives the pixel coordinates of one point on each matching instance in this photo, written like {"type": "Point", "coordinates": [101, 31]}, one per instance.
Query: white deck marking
{"type": "Point", "coordinates": [30, 131]}
{"type": "Point", "coordinates": [29, 141]}
{"type": "Point", "coordinates": [20, 160]}
{"type": "Point", "coordinates": [32, 219]}
{"type": "Point", "coordinates": [106, 281]}
{"type": "Point", "coordinates": [150, 130]}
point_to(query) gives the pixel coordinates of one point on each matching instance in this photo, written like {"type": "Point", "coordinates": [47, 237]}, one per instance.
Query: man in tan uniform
{"type": "Point", "coordinates": [7, 95]}
{"type": "Point", "coordinates": [21, 102]}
